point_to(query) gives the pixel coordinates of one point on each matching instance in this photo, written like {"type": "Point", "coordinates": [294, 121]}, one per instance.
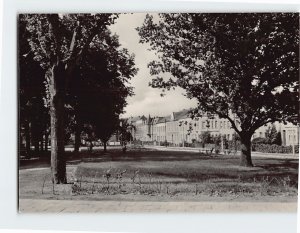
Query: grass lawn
{"type": "Point", "coordinates": [144, 174]}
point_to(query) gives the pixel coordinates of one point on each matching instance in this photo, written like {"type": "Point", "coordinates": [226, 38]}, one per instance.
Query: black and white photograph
{"type": "Point", "coordinates": [158, 112]}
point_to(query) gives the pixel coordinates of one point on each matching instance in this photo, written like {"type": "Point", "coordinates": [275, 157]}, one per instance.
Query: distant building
{"type": "Point", "coordinates": [178, 128]}
{"type": "Point", "coordinates": [141, 128]}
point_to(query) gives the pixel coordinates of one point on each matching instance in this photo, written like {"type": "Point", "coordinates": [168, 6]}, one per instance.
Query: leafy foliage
{"type": "Point", "coordinates": [271, 134]}
{"type": "Point", "coordinates": [63, 36]}
{"type": "Point", "coordinates": [100, 87]}
{"type": "Point", "coordinates": [234, 64]}
{"type": "Point", "coordinates": [206, 137]}
{"type": "Point", "coordinates": [34, 116]}
{"type": "Point", "coordinates": [243, 66]}
{"type": "Point", "coordinates": [125, 130]}
{"type": "Point", "coordinates": [77, 51]}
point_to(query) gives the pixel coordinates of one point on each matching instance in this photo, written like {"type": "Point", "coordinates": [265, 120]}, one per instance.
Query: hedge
{"type": "Point", "coordinates": [273, 148]}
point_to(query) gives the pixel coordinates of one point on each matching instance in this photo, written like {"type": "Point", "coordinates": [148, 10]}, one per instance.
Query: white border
{"type": "Point", "coordinates": [112, 222]}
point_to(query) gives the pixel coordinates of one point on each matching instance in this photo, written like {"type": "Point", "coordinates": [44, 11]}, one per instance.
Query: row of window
{"type": "Point", "coordinates": [205, 124]}
{"type": "Point", "coordinates": [177, 137]}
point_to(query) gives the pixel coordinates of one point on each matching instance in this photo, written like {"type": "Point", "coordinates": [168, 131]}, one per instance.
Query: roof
{"type": "Point", "coordinates": [137, 118]}
{"type": "Point", "coordinates": [158, 120]}
{"type": "Point", "coordinates": [181, 114]}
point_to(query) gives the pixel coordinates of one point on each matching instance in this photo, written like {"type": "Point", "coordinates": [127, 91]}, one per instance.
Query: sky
{"type": "Point", "coordinates": [146, 100]}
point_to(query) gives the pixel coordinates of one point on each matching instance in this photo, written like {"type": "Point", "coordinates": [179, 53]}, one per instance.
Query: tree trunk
{"type": "Point", "coordinates": [42, 143]}
{"type": "Point", "coordinates": [246, 160]}
{"type": "Point", "coordinates": [91, 146]}
{"type": "Point", "coordinates": [58, 163]}
{"type": "Point", "coordinates": [46, 141]}
{"type": "Point", "coordinates": [35, 135]}
{"type": "Point", "coordinates": [104, 147]}
{"type": "Point", "coordinates": [36, 145]}
{"type": "Point", "coordinates": [78, 129]}
{"type": "Point", "coordinates": [27, 138]}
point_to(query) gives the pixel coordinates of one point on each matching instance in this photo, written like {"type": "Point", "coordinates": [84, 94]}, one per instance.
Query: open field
{"type": "Point", "coordinates": [150, 175]}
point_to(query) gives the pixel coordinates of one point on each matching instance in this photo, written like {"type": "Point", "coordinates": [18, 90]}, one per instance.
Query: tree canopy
{"type": "Point", "coordinates": [101, 86]}
{"type": "Point", "coordinates": [235, 65]}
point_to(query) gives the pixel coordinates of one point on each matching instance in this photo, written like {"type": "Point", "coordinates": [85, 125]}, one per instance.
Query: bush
{"type": "Point", "coordinates": [273, 148]}
{"type": "Point", "coordinates": [137, 142]}
{"type": "Point", "coordinates": [198, 144]}
{"type": "Point", "coordinates": [234, 145]}
{"type": "Point", "coordinates": [165, 143]}
{"type": "Point", "coordinates": [209, 145]}
{"type": "Point", "coordinates": [206, 137]}
{"type": "Point", "coordinates": [259, 140]}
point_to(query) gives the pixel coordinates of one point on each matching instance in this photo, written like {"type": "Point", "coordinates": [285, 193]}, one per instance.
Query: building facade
{"type": "Point", "coordinates": [179, 128]}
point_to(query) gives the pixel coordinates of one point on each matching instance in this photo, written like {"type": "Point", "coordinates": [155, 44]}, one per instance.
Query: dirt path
{"type": "Point", "coordinates": [78, 206]}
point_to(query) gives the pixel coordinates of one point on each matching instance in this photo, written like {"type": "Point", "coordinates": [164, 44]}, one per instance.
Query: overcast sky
{"type": "Point", "coordinates": [146, 100]}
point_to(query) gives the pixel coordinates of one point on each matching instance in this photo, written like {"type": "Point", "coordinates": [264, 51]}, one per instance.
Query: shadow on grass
{"type": "Point", "coordinates": [177, 164]}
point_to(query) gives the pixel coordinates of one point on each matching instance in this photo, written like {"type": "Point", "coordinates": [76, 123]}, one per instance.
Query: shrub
{"type": "Point", "coordinates": [273, 148]}
{"type": "Point", "coordinates": [209, 145]}
{"type": "Point", "coordinates": [234, 145]}
{"type": "Point", "coordinates": [206, 137]}
{"type": "Point", "coordinates": [217, 140]}
{"type": "Point", "coordinates": [198, 144]}
{"type": "Point", "coordinates": [272, 135]}
{"type": "Point", "coordinates": [259, 140]}
{"type": "Point", "coordinates": [164, 143]}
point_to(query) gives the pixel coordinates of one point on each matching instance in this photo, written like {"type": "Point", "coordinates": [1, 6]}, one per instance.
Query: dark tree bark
{"type": "Point", "coordinates": [246, 160]}
{"type": "Point", "coordinates": [42, 144]}
{"type": "Point", "coordinates": [91, 146]}
{"type": "Point", "coordinates": [58, 163]}
{"type": "Point", "coordinates": [46, 141]}
{"type": "Point", "coordinates": [78, 129]}
{"type": "Point", "coordinates": [27, 138]}
{"type": "Point", "coordinates": [104, 146]}
{"type": "Point", "coordinates": [36, 145]}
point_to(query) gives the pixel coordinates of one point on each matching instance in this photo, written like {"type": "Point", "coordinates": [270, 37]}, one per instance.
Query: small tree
{"type": "Point", "coordinates": [206, 137]}
{"type": "Point", "coordinates": [125, 129]}
{"type": "Point", "coordinates": [217, 140]}
{"type": "Point", "coordinates": [100, 88]}
{"type": "Point", "coordinates": [271, 134]}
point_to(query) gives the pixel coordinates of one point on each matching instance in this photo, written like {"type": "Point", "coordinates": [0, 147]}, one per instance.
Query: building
{"type": "Point", "coordinates": [141, 129]}
{"type": "Point", "coordinates": [179, 128]}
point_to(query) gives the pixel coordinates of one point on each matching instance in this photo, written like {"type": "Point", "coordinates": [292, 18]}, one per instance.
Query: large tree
{"type": "Point", "coordinates": [101, 86]}
{"type": "Point", "coordinates": [238, 66]}
{"type": "Point", "coordinates": [58, 42]}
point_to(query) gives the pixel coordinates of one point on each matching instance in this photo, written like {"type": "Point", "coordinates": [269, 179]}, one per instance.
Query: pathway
{"type": "Point", "coordinates": [79, 206]}
{"type": "Point", "coordinates": [197, 150]}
